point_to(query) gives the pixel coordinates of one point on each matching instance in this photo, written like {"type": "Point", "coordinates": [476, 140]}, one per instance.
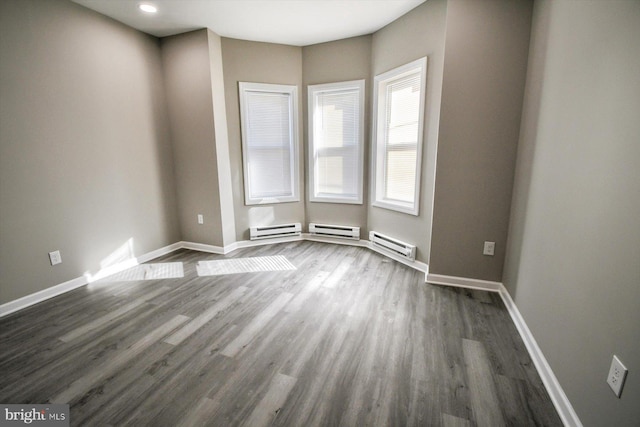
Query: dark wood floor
{"type": "Point", "coordinates": [347, 338]}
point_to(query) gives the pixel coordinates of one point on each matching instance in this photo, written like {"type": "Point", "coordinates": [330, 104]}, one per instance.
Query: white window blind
{"type": "Point", "coordinates": [399, 99]}
{"type": "Point", "coordinates": [269, 142]}
{"type": "Point", "coordinates": [336, 142]}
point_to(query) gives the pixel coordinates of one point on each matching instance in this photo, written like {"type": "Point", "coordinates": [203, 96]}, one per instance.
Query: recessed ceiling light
{"type": "Point", "coordinates": [148, 8]}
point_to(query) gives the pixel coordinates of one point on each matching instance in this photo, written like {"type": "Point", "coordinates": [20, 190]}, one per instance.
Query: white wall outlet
{"type": "Point", "coordinates": [617, 375]}
{"type": "Point", "coordinates": [200, 219]}
{"type": "Point", "coordinates": [55, 257]}
{"type": "Point", "coordinates": [489, 248]}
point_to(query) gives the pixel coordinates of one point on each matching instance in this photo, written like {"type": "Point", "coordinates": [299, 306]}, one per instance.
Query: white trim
{"type": "Point", "coordinates": [292, 92]}
{"type": "Point", "coordinates": [464, 282]}
{"type": "Point", "coordinates": [335, 240]}
{"type": "Point", "coordinates": [202, 247]}
{"type": "Point", "coordinates": [159, 252]}
{"type": "Point", "coordinates": [313, 90]}
{"type": "Point", "coordinates": [251, 243]}
{"type": "Point", "coordinates": [53, 291]}
{"type": "Point", "coordinates": [556, 393]}
{"type": "Point", "coordinates": [378, 132]}
{"type": "Point", "coordinates": [45, 294]}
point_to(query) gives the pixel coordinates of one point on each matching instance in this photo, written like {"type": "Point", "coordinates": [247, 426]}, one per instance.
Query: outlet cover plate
{"type": "Point", "coordinates": [617, 375]}
{"type": "Point", "coordinates": [55, 257]}
{"type": "Point", "coordinates": [489, 248]}
{"type": "Point", "coordinates": [200, 219]}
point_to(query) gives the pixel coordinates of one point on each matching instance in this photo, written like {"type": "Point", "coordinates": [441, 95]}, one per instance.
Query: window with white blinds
{"type": "Point", "coordinates": [336, 141]}
{"type": "Point", "coordinates": [399, 98]}
{"type": "Point", "coordinates": [269, 142]}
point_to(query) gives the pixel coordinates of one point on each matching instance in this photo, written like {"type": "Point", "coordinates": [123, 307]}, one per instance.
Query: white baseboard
{"type": "Point", "coordinates": [335, 240]}
{"type": "Point", "coordinates": [261, 242]}
{"type": "Point", "coordinates": [28, 300]}
{"type": "Point", "coordinates": [464, 282]}
{"type": "Point", "coordinates": [556, 393]}
{"type": "Point", "coordinates": [159, 252]}
{"type": "Point", "coordinates": [201, 247]}
{"type": "Point", "coordinates": [45, 294]}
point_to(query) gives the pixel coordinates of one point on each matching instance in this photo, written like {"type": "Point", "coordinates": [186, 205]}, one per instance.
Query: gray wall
{"type": "Point", "coordinates": [186, 62]}
{"type": "Point", "coordinates": [573, 263]}
{"type": "Point", "coordinates": [85, 160]}
{"type": "Point", "coordinates": [419, 33]}
{"type": "Point", "coordinates": [338, 61]}
{"type": "Point", "coordinates": [246, 61]}
{"type": "Point", "coordinates": [484, 76]}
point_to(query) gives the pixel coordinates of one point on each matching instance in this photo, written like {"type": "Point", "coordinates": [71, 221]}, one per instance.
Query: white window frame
{"type": "Point", "coordinates": [313, 91]}
{"type": "Point", "coordinates": [292, 91]}
{"type": "Point", "coordinates": [379, 136]}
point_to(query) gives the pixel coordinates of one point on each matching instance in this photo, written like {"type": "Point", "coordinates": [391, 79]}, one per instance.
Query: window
{"type": "Point", "coordinates": [399, 97]}
{"type": "Point", "coordinates": [336, 141]}
{"type": "Point", "coordinates": [269, 115]}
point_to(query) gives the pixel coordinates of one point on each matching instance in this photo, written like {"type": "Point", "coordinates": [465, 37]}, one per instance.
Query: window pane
{"type": "Point", "coordinates": [336, 173]}
{"type": "Point", "coordinates": [399, 107]}
{"type": "Point", "coordinates": [338, 119]}
{"type": "Point", "coordinates": [401, 175]}
{"type": "Point", "coordinates": [268, 121]}
{"type": "Point", "coordinates": [402, 115]}
{"type": "Point", "coordinates": [403, 109]}
{"type": "Point", "coordinates": [269, 172]}
{"type": "Point", "coordinates": [268, 124]}
{"type": "Point", "coordinates": [335, 122]}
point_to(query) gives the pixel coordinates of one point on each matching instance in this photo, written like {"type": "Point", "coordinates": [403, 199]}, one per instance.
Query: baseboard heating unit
{"type": "Point", "coordinates": [271, 231]}
{"type": "Point", "coordinates": [390, 244]}
{"type": "Point", "coordinates": [343, 231]}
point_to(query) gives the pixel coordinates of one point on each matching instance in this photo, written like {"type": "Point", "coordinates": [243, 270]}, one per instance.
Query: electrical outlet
{"type": "Point", "coordinates": [55, 257]}
{"type": "Point", "coordinates": [200, 219]}
{"type": "Point", "coordinates": [489, 248]}
{"type": "Point", "coordinates": [617, 375]}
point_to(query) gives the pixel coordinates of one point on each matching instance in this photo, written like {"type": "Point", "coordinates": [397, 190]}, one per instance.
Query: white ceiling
{"type": "Point", "coordinates": [293, 22]}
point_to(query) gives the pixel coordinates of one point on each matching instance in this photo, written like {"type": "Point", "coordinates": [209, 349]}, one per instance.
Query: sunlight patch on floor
{"type": "Point", "coordinates": [153, 271]}
{"type": "Point", "coordinates": [244, 265]}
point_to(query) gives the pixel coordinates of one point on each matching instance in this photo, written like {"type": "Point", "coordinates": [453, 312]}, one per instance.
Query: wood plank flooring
{"type": "Point", "coordinates": [348, 338]}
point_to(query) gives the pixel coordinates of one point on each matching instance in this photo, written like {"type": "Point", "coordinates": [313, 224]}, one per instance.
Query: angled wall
{"type": "Point", "coordinates": [421, 32]}
{"type": "Point", "coordinates": [338, 61]}
{"type": "Point", "coordinates": [185, 60]}
{"type": "Point", "coordinates": [247, 61]}
{"type": "Point", "coordinates": [484, 76]}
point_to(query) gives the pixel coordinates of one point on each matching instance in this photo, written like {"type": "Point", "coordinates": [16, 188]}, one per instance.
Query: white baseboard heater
{"type": "Point", "coordinates": [271, 231]}
{"type": "Point", "coordinates": [343, 231]}
{"type": "Point", "coordinates": [390, 244]}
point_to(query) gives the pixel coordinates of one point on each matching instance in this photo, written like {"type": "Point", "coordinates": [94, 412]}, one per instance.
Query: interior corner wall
{"type": "Point", "coordinates": [421, 32]}
{"type": "Point", "coordinates": [85, 156]}
{"type": "Point", "coordinates": [227, 215]}
{"type": "Point", "coordinates": [248, 61]}
{"type": "Point", "coordinates": [573, 265]}
{"type": "Point", "coordinates": [338, 61]}
{"type": "Point", "coordinates": [187, 73]}
{"type": "Point", "coordinates": [485, 67]}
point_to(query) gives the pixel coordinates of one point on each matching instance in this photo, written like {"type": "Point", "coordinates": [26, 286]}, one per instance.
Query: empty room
{"type": "Point", "coordinates": [320, 212]}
